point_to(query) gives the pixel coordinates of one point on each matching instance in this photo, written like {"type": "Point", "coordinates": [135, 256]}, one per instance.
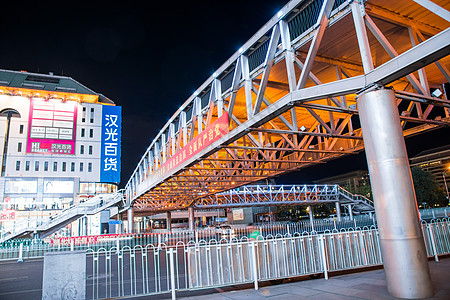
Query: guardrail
{"type": "Point", "coordinates": [37, 247]}
{"type": "Point", "coordinates": [156, 269]}
{"type": "Point", "coordinates": [91, 206]}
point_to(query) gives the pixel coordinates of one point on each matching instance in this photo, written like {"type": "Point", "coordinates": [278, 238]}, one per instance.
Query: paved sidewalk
{"type": "Point", "coordinates": [360, 285]}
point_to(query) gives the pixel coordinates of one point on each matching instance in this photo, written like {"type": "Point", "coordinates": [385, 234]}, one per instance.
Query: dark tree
{"type": "Point", "coordinates": [428, 191]}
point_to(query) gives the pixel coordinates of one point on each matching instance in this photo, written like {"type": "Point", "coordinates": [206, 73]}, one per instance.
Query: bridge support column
{"type": "Point", "coordinates": [311, 216]}
{"type": "Point", "coordinates": [350, 212]}
{"type": "Point", "coordinates": [191, 218]}
{"type": "Point", "coordinates": [338, 210]}
{"type": "Point", "coordinates": [402, 246]}
{"type": "Point", "coordinates": [130, 220]}
{"type": "Point", "coordinates": [85, 225]}
{"type": "Point", "coordinates": [120, 226]}
{"type": "Point", "coordinates": [169, 221]}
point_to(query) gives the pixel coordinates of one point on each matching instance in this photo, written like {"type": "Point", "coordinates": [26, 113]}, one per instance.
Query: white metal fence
{"type": "Point", "coordinates": [36, 248]}
{"type": "Point", "coordinates": [149, 269]}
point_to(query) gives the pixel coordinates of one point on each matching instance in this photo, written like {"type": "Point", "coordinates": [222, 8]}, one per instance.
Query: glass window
{"type": "Point", "coordinates": [92, 115]}
{"type": "Point", "coordinates": [81, 167]}
{"type": "Point", "coordinates": [83, 115]}
{"type": "Point", "coordinates": [27, 165]}
{"type": "Point", "coordinates": [58, 186]}
{"type": "Point", "coordinates": [19, 147]}
{"type": "Point", "coordinates": [64, 166]}
{"type": "Point", "coordinates": [90, 150]}
{"type": "Point", "coordinates": [72, 167]}
{"type": "Point", "coordinates": [21, 186]}
{"type": "Point", "coordinates": [46, 166]}
{"type": "Point", "coordinates": [83, 132]}
{"type": "Point", "coordinates": [55, 166]}
{"type": "Point", "coordinates": [21, 129]}
{"type": "Point", "coordinates": [91, 133]}
{"type": "Point", "coordinates": [18, 165]}
{"type": "Point", "coordinates": [89, 167]}
{"type": "Point", "coordinates": [82, 149]}
{"type": "Point", "coordinates": [36, 166]}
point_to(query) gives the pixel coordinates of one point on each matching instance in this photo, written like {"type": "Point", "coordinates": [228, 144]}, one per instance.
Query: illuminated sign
{"type": "Point", "coordinates": [111, 136]}
{"type": "Point", "coordinates": [211, 134]}
{"type": "Point", "coordinates": [52, 127]}
{"type": "Point", "coordinates": [238, 214]}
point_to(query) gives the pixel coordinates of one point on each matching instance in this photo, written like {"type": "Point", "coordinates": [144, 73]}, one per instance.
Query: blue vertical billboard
{"type": "Point", "coordinates": [111, 136]}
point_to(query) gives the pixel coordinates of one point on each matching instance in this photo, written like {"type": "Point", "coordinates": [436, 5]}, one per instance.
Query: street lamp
{"type": "Point", "coordinates": [445, 182]}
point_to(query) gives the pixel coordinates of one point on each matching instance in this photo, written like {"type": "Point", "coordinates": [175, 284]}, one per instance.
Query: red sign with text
{"type": "Point", "coordinates": [212, 133]}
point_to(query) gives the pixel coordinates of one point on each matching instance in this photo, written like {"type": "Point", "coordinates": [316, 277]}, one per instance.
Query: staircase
{"type": "Point", "coordinates": [360, 204]}
{"type": "Point", "coordinates": [43, 228]}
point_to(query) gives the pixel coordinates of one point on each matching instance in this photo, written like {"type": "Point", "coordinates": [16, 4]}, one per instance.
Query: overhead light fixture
{"type": "Point", "coordinates": [241, 50]}
{"type": "Point", "coordinates": [280, 14]}
{"type": "Point", "coordinates": [436, 93]}
{"type": "Point", "coordinates": [303, 128]}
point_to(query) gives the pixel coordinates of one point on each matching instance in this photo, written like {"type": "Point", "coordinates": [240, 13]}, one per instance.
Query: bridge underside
{"type": "Point", "coordinates": [287, 99]}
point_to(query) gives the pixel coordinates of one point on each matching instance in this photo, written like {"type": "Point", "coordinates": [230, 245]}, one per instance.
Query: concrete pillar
{"type": "Point", "coordinates": [311, 216]}
{"type": "Point", "coordinates": [85, 226]}
{"type": "Point", "coordinates": [130, 219]}
{"type": "Point", "coordinates": [169, 221]}
{"type": "Point", "coordinates": [338, 210]}
{"type": "Point", "coordinates": [402, 246]}
{"type": "Point", "coordinates": [120, 226]}
{"type": "Point", "coordinates": [350, 211]}
{"type": "Point", "coordinates": [191, 218]}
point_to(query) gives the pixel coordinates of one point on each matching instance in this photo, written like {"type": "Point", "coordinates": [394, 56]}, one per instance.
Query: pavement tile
{"type": "Point", "coordinates": [369, 295]}
{"type": "Point", "coordinates": [242, 295]}
{"type": "Point", "coordinates": [301, 291]}
{"type": "Point", "coordinates": [331, 296]}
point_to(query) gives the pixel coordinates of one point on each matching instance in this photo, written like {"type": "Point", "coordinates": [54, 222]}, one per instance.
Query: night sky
{"type": "Point", "coordinates": [146, 58]}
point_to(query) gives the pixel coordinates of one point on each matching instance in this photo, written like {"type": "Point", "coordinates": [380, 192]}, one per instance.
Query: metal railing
{"type": "Point", "coordinates": [155, 269]}
{"type": "Point", "coordinates": [37, 247]}
{"type": "Point", "coordinates": [434, 213]}
{"type": "Point", "coordinates": [92, 206]}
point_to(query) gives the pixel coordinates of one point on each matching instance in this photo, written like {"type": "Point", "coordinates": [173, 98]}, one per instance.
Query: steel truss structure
{"type": "Point", "coordinates": [263, 195]}
{"type": "Point", "coordinates": [289, 97]}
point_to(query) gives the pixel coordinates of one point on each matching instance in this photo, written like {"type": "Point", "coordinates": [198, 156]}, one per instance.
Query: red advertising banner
{"type": "Point", "coordinates": [52, 127]}
{"type": "Point", "coordinates": [89, 239]}
{"type": "Point", "coordinates": [209, 135]}
{"type": "Point", "coordinates": [6, 215]}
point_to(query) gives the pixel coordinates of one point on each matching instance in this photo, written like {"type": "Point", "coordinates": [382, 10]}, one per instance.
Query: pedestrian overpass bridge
{"type": "Point", "coordinates": [287, 99]}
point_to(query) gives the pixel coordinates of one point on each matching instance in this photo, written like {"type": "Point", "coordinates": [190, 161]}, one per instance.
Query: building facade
{"type": "Point", "coordinates": [59, 144]}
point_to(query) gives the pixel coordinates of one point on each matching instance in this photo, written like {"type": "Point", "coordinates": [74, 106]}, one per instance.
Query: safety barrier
{"type": "Point", "coordinates": [37, 247]}
{"type": "Point", "coordinates": [156, 269]}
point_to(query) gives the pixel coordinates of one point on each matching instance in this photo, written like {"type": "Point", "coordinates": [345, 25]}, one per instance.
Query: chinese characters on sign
{"type": "Point", "coordinates": [111, 135]}
{"type": "Point", "coordinates": [210, 134]}
{"type": "Point", "coordinates": [52, 127]}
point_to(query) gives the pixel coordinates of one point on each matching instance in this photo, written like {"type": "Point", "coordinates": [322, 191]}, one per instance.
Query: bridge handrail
{"type": "Point", "coordinates": [305, 21]}
{"type": "Point", "coordinates": [356, 197]}
{"type": "Point", "coordinates": [93, 205]}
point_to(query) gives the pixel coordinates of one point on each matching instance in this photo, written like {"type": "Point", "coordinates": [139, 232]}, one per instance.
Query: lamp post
{"type": "Point", "coordinates": [445, 183]}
